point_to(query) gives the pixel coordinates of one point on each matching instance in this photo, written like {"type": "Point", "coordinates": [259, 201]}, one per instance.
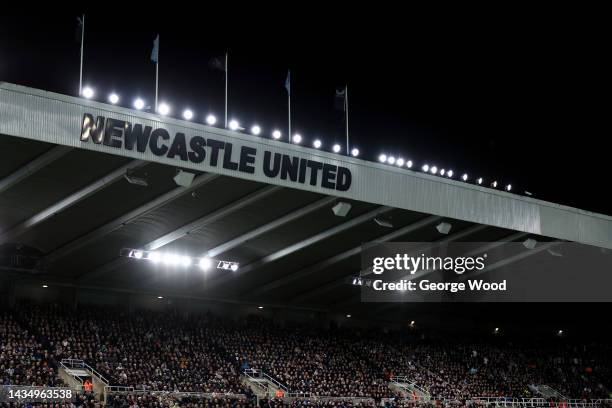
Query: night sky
{"type": "Point", "coordinates": [523, 100]}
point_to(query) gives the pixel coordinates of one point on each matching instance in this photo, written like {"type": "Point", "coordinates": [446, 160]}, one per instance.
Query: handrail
{"type": "Point", "coordinates": [408, 380]}
{"type": "Point", "coordinates": [260, 373]}
{"type": "Point", "coordinates": [82, 364]}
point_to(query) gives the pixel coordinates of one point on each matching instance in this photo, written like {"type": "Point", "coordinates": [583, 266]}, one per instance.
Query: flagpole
{"type": "Point", "coordinates": [347, 118]}
{"type": "Point", "coordinates": [81, 69]}
{"type": "Point", "coordinates": [156, 83]}
{"type": "Point", "coordinates": [226, 75]}
{"type": "Point", "coordinates": [288, 88]}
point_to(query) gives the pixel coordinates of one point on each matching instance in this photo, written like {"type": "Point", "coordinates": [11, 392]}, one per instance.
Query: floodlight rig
{"type": "Point", "coordinates": [172, 259]}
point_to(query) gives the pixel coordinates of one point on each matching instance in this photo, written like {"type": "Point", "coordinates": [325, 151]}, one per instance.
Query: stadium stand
{"type": "Point", "coordinates": [168, 352]}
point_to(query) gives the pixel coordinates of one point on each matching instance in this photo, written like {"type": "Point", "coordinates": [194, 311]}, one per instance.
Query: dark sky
{"type": "Point", "coordinates": [518, 97]}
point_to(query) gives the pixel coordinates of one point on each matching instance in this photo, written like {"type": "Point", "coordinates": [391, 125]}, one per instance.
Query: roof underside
{"type": "Point", "coordinates": [291, 247]}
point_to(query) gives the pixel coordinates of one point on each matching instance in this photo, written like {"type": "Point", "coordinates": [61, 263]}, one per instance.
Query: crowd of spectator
{"type": "Point", "coordinates": [169, 352]}
{"type": "Point", "coordinates": [24, 360]}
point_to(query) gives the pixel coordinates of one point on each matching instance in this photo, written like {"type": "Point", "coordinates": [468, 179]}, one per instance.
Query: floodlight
{"type": "Point", "coordinates": [113, 98]}
{"type": "Point", "coordinates": [464, 177]}
{"type": "Point", "coordinates": [297, 138]}
{"type": "Point", "coordinates": [163, 109]}
{"type": "Point", "coordinates": [494, 184]}
{"type": "Point", "coordinates": [256, 130]}
{"type": "Point", "coordinates": [138, 254]}
{"type": "Point", "coordinates": [139, 104]}
{"type": "Point", "coordinates": [186, 261]}
{"type": "Point", "coordinates": [277, 134]}
{"type": "Point", "coordinates": [382, 158]}
{"type": "Point", "coordinates": [509, 187]}
{"type": "Point", "coordinates": [479, 181]}
{"type": "Point", "coordinates": [154, 257]}
{"type": "Point", "coordinates": [442, 171]}
{"type": "Point", "coordinates": [211, 120]}
{"type": "Point", "coordinates": [433, 170]}
{"type": "Point", "coordinates": [409, 164]}
{"type": "Point", "coordinates": [425, 168]}
{"type": "Point", "coordinates": [450, 173]}
{"type": "Point", "coordinates": [187, 114]}
{"type": "Point", "coordinates": [354, 152]}
{"type": "Point", "coordinates": [88, 92]}
{"type": "Point", "coordinates": [234, 125]}
{"type": "Point", "coordinates": [336, 148]}
{"type": "Point", "coordinates": [399, 162]}
{"type": "Point", "coordinates": [391, 160]}
{"type": "Point", "coordinates": [317, 144]}
{"type": "Point", "coordinates": [205, 263]}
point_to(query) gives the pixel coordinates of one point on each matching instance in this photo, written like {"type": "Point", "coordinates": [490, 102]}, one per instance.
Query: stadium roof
{"type": "Point", "coordinates": [65, 202]}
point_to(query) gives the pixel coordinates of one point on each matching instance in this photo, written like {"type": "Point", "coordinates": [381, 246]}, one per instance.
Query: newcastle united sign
{"type": "Point", "coordinates": [121, 134]}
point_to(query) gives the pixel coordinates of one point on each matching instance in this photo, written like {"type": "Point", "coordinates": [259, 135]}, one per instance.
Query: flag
{"type": "Point", "coordinates": [340, 99]}
{"type": "Point", "coordinates": [218, 63]}
{"type": "Point", "coordinates": [288, 83]}
{"type": "Point", "coordinates": [155, 52]}
{"type": "Point", "coordinates": [78, 33]}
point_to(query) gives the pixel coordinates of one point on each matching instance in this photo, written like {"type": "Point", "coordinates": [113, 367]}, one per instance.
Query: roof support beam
{"type": "Point", "coordinates": [32, 167]}
{"type": "Point", "coordinates": [300, 245]}
{"type": "Point", "coordinates": [279, 222]}
{"type": "Point", "coordinates": [68, 201]}
{"type": "Point", "coordinates": [342, 281]}
{"type": "Point", "coordinates": [186, 229]}
{"type": "Point", "coordinates": [119, 222]}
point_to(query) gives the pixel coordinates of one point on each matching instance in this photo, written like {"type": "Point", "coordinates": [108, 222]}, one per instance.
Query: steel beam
{"type": "Point", "coordinates": [300, 245]}
{"type": "Point", "coordinates": [68, 201]}
{"type": "Point", "coordinates": [121, 221]}
{"type": "Point", "coordinates": [32, 167]}
{"type": "Point", "coordinates": [186, 229]}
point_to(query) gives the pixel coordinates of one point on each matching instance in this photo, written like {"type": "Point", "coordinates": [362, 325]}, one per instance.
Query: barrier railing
{"type": "Point", "coordinates": [540, 402]}
{"type": "Point", "coordinates": [402, 379]}
{"type": "Point", "coordinates": [71, 363]}
{"type": "Point", "coordinates": [118, 389]}
{"type": "Point", "coordinates": [253, 373]}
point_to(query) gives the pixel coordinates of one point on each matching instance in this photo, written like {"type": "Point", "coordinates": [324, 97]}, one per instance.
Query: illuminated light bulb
{"type": "Point", "coordinates": [163, 109]}
{"type": "Point", "coordinates": [88, 92]}
{"type": "Point", "coordinates": [187, 114]}
{"type": "Point", "coordinates": [234, 125]}
{"type": "Point", "coordinates": [211, 120]}
{"type": "Point", "coordinates": [139, 104]}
